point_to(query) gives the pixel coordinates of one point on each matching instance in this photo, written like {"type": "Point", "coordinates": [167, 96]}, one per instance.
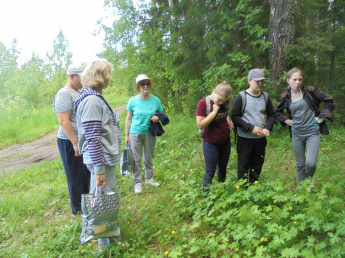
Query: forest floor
{"type": "Point", "coordinates": [22, 155]}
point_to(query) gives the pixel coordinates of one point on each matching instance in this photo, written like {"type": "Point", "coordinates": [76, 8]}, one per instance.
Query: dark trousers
{"type": "Point", "coordinates": [215, 155]}
{"type": "Point", "coordinates": [78, 176]}
{"type": "Point", "coordinates": [250, 158]}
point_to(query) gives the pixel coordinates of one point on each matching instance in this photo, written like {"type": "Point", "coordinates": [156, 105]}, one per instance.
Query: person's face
{"type": "Point", "coordinates": [76, 81]}
{"type": "Point", "coordinates": [256, 85]}
{"type": "Point", "coordinates": [295, 81]}
{"type": "Point", "coordinates": [144, 86]}
{"type": "Point", "coordinates": [220, 98]}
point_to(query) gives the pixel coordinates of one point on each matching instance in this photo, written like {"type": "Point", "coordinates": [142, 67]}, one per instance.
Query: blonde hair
{"type": "Point", "coordinates": [97, 74]}
{"type": "Point", "coordinates": [292, 71]}
{"type": "Point", "coordinates": [224, 88]}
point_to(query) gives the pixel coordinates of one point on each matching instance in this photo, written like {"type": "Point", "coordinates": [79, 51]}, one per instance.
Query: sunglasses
{"type": "Point", "coordinates": [145, 83]}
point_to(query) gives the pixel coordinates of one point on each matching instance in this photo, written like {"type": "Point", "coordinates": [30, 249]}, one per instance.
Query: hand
{"type": "Point", "coordinates": [76, 150]}
{"type": "Point", "coordinates": [289, 122]}
{"type": "Point", "coordinates": [216, 107]}
{"type": "Point", "coordinates": [257, 131]}
{"type": "Point", "coordinates": [154, 119]}
{"type": "Point", "coordinates": [320, 120]}
{"type": "Point", "coordinates": [265, 132]}
{"type": "Point", "coordinates": [128, 141]}
{"type": "Point", "coordinates": [230, 125]}
{"type": "Point", "coordinates": [101, 179]}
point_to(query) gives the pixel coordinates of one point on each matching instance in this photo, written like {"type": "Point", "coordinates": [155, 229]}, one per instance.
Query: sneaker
{"type": "Point", "coordinates": [151, 182]}
{"type": "Point", "coordinates": [114, 240]}
{"type": "Point", "coordinates": [137, 188]}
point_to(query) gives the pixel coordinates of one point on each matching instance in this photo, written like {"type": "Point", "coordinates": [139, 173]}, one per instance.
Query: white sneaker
{"type": "Point", "coordinates": [151, 182]}
{"type": "Point", "coordinates": [137, 188]}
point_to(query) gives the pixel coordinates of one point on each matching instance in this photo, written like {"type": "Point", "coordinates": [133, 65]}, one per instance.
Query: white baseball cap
{"type": "Point", "coordinates": [75, 69]}
{"type": "Point", "coordinates": [142, 77]}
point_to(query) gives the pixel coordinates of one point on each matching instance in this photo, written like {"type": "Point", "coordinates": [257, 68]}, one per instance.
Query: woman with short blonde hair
{"type": "Point", "coordinates": [99, 133]}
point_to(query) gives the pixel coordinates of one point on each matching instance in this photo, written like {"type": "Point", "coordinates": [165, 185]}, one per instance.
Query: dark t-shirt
{"type": "Point", "coordinates": [218, 130]}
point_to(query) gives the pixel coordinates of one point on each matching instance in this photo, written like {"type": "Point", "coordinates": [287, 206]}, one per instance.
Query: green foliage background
{"type": "Point", "coordinates": [273, 218]}
{"type": "Point", "coordinates": [187, 49]}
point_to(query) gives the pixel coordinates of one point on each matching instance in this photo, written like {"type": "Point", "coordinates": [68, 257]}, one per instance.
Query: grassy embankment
{"type": "Point", "coordinates": [270, 219]}
{"type": "Point", "coordinates": [23, 123]}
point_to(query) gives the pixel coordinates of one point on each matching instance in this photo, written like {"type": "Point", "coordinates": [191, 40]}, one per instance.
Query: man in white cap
{"type": "Point", "coordinates": [78, 176]}
{"type": "Point", "coordinates": [248, 116]}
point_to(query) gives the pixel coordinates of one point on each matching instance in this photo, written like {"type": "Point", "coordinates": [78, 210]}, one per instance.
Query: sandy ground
{"type": "Point", "coordinates": [23, 155]}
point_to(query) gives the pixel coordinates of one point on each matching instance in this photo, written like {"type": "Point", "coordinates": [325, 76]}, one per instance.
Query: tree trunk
{"type": "Point", "coordinates": [171, 5]}
{"type": "Point", "coordinates": [281, 34]}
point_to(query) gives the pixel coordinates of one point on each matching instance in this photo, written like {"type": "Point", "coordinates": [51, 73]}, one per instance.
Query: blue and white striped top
{"type": "Point", "coordinates": [99, 131]}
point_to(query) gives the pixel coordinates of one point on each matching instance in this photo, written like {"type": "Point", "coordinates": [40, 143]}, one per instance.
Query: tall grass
{"type": "Point", "coordinates": [273, 218]}
{"type": "Point", "coordinates": [21, 122]}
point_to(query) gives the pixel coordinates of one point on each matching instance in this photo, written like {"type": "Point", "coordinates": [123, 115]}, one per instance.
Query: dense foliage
{"type": "Point", "coordinates": [188, 47]}
{"type": "Point", "coordinates": [273, 218]}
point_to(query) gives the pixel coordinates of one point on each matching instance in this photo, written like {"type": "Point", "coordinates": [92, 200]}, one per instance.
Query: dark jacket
{"type": "Point", "coordinates": [156, 129]}
{"type": "Point", "coordinates": [313, 96]}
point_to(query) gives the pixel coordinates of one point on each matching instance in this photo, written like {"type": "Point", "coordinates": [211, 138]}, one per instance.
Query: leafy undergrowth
{"type": "Point", "coordinates": [272, 218]}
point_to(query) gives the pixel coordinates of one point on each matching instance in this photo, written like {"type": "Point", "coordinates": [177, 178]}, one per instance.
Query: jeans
{"type": "Point", "coordinates": [306, 165]}
{"type": "Point", "coordinates": [250, 158]}
{"type": "Point", "coordinates": [215, 155]}
{"type": "Point", "coordinates": [138, 142]}
{"type": "Point", "coordinates": [110, 184]}
{"type": "Point", "coordinates": [78, 176]}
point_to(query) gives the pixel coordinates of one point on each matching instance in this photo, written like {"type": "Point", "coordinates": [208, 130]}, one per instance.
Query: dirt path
{"type": "Point", "coordinates": [23, 155]}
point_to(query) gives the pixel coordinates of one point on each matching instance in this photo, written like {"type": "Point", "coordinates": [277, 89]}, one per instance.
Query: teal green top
{"type": "Point", "coordinates": [143, 110]}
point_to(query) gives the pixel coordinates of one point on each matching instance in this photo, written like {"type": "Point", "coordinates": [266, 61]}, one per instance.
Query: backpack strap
{"type": "Point", "coordinates": [244, 101]}
{"type": "Point", "coordinates": [266, 99]}
{"type": "Point", "coordinates": [208, 105]}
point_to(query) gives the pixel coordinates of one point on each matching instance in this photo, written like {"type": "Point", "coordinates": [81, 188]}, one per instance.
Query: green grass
{"type": "Point", "coordinates": [24, 123]}
{"type": "Point", "coordinates": [270, 219]}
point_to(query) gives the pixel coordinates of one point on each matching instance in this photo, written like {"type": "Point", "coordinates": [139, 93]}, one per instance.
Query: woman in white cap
{"type": "Point", "coordinates": [141, 110]}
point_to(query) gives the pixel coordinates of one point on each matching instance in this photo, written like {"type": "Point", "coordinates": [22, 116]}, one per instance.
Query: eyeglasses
{"type": "Point", "coordinates": [148, 84]}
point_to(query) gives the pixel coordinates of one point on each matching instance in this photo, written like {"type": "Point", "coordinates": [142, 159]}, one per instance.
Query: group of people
{"type": "Point", "coordinates": [89, 136]}
{"type": "Point", "coordinates": [253, 117]}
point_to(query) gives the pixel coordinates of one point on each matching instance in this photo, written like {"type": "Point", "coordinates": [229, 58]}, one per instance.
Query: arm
{"type": "Point", "coordinates": [128, 125]}
{"type": "Point", "coordinates": [203, 122]}
{"type": "Point", "coordinates": [229, 122]}
{"type": "Point", "coordinates": [90, 113]}
{"type": "Point", "coordinates": [236, 116]}
{"type": "Point", "coordinates": [93, 136]}
{"type": "Point", "coordinates": [280, 110]}
{"type": "Point", "coordinates": [329, 101]}
{"type": "Point", "coordinates": [68, 129]}
{"type": "Point", "coordinates": [271, 115]}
